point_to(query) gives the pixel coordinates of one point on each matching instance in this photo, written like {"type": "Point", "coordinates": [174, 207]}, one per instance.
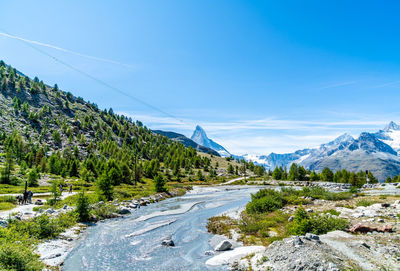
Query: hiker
{"type": "Point", "coordinates": [70, 188]}
{"type": "Point", "coordinates": [61, 189]}
{"type": "Point", "coordinates": [30, 194]}
{"type": "Point", "coordinates": [19, 199]}
{"type": "Point", "coordinates": [25, 197]}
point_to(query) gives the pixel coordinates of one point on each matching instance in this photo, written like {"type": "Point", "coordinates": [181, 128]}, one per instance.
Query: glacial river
{"type": "Point", "coordinates": [134, 242]}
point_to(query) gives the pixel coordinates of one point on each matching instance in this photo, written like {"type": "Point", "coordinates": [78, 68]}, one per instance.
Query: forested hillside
{"type": "Point", "coordinates": [45, 129]}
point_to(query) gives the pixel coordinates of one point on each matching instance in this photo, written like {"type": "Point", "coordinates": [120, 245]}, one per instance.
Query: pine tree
{"type": "Point", "coordinates": [105, 188]}
{"type": "Point", "coordinates": [159, 184]}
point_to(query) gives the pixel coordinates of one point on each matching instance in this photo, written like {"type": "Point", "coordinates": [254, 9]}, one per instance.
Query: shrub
{"type": "Point", "coordinates": [18, 257]}
{"type": "Point", "coordinates": [316, 223]}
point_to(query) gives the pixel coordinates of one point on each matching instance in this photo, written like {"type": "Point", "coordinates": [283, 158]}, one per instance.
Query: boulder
{"type": "Point", "coordinates": [38, 202]}
{"type": "Point", "coordinates": [124, 211]}
{"type": "Point", "coordinates": [311, 236]}
{"type": "Point", "coordinates": [168, 243]}
{"type": "Point", "coordinates": [361, 228]}
{"type": "Point", "coordinates": [224, 245]}
{"type": "Point", "coordinates": [50, 211]}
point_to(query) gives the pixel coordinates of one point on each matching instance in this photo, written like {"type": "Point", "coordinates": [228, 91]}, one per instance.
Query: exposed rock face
{"type": "Point", "coordinates": [297, 253]}
{"type": "Point", "coordinates": [361, 228]}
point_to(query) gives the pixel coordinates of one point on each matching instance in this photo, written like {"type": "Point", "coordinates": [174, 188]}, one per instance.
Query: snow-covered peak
{"type": "Point", "coordinates": [392, 126]}
{"type": "Point", "coordinates": [200, 137]}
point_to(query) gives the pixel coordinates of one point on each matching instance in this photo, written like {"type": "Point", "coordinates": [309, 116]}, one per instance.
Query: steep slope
{"type": "Point", "coordinates": [186, 141]}
{"type": "Point", "coordinates": [200, 137]}
{"type": "Point", "coordinates": [47, 129]}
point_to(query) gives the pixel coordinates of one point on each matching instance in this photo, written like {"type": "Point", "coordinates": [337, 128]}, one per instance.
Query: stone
{"type": "Point", "coordinates": [385, 205]}
{"type": "Point", "coordinates": [168, 243]}
{"type": "Point", "coordinates": [311, 236]}
{"type": "Point", "coordinates": [361, 228]}
{"type": "Point", "coordinates": [69, 239]}
{"type": "Point", "coordinates": [209, 253]}
{"type": "Point", "coordinates": [297, 241]}
{"type": "Point", "coordinates": [310, 210]}
{"type": "Point", "coordinates": [65, 206]}
{"type": "Point", "coordinates": [38, 202]}
{"type": "Point", "coordinates": [50, 211]}
{"type": "Point", "coordinates": [3, 223]}
{"type": "Point", "coordinates": [223, 246]}
{"type": "Point", "coordinates": [291, 218]}
{"type": "Point", "coordinates": [124, 211]}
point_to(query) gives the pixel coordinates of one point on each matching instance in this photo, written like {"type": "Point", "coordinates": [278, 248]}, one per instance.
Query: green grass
{"type": "Point", "coordinates": [221, 225]}
{"type": "Point", "coordinates": [365, 202]}
{"type": "Point", "coordinates": [19, 189]}
{"type": "Point", "coordinates": [4, 206]}
{"type": "Point", "coordinates": [332, 212]}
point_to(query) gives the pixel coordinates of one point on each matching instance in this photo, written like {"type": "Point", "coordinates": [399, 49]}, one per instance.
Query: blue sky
{"type": "Point", "coordinates": [259, 76]}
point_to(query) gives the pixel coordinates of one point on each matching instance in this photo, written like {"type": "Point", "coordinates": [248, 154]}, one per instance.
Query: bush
{"type": "Point", "coordinates": [316, 223]}
{"type": "Point", "coordinates": [82, 207]}
{"type": "Point", "coordinates": [18, 257]}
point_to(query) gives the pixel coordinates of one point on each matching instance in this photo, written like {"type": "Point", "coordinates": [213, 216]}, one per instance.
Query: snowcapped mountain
{"type": "Point", "coordinates": [200, 137]}
{"type": "Point", "coordinates": [378, 152]}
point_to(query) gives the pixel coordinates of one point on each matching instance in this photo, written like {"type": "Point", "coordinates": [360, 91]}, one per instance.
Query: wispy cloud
{"type": "Point", "coordinates": [389, 84]}
{"type": "Point", "coordinates": [262, 136]}
{"type": "Point", "coordinates": [65, 50]}
{"type": "Point", "coordinates": [336, 85]}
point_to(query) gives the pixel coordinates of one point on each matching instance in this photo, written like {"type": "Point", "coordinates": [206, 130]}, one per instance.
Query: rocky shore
{"type": "Point", "coordinates": [372, 242]}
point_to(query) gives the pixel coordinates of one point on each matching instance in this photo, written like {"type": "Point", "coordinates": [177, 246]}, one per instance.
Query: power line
{"type": "Point", "coordinates": [99, 81]}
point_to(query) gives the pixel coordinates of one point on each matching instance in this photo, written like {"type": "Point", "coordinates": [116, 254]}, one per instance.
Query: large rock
{"type": "Point", "coordinates": [224, 245]}
{"type": "Point", "coordinates": [362, 228]}
{"type": "Point", "coordinates": [124, 211]}
{"type": "Point", "coordinates": [168, 243]}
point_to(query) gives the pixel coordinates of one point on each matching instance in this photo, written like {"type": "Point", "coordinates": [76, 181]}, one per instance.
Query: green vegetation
{"type": "Point", "coordinates": [82, 207]}
{"type": "Point", "coordinates": [268, 200]}
{"type": "Point", "coordinates": [263, 221]}
{"type": "Point", "coordinates": [365, 202]}
{"type": "Point", "coordinates": [18, 239]}
{"type": "Point", "coordinates": [304, 222]}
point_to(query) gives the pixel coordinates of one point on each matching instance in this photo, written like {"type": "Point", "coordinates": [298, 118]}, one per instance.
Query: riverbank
{"type": "Point", "coordinates": [370, 242]}
{"type": "Point", "coordinates": [53, 252]}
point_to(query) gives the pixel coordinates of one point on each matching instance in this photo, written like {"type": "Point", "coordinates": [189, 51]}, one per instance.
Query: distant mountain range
{"type": "Point", "coordinates": [378, 152]}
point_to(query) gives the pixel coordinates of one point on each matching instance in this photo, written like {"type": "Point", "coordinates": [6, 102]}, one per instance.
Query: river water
{"type": "Point", "coordinates": [134, 242]}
